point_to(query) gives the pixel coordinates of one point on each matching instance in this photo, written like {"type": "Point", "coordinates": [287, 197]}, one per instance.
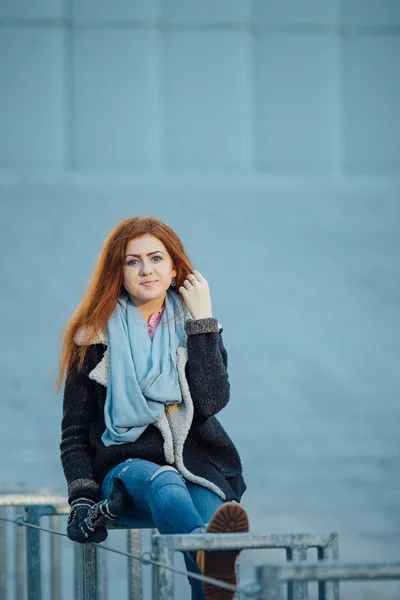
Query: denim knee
{"type": "Point", "coordinates": [164, 477]}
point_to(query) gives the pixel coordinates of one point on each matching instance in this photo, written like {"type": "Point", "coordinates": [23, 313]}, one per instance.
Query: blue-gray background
{"type": "Point", "coordinates": [266, 134]}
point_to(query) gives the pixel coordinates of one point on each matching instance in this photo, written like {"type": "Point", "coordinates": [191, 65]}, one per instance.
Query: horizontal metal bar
{"type": "Point", "coordinates": [24, 499]}
{"type": "Point", "coordinates": [233, 541]}
{"type": "Point", "coordinates": [50, 505]}
{"type": "Point", "coordinates": [343, 570]}
{"type": "Point", "coordinates": [44, 510]}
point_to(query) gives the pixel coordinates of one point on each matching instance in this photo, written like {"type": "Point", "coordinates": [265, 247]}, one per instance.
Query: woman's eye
{"type": "Point", "coordinates": [134, 260]}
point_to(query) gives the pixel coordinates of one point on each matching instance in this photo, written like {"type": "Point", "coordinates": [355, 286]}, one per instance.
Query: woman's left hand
{"type": "Point", "coordinates": [196, 294]}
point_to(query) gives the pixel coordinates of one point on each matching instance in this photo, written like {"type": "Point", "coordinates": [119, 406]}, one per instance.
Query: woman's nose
{"type": "Point", "coordinates": [146, 268]}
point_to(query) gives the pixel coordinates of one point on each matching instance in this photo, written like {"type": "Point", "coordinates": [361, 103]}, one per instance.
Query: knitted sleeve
{"type": "Point", "coordinates": [207, 368]}
{"type": "Point", "coordinates": [75, 447]}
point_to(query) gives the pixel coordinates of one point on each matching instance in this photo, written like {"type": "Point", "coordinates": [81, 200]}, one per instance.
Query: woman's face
{"type": "Point", "coordinates": [147, 259]}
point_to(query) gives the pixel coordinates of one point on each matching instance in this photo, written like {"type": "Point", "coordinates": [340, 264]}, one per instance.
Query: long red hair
{"type": "Point", "coordinates": [106, 285]}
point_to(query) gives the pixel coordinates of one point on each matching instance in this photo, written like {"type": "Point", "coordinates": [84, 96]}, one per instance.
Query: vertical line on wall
{"type": "Point", "coordinates": [338, 163]}
{"type": "Point", "coordinates": [69, 96]}
{"type": "Point", "coordinates": [161, 164]}
{"type": "Point", "coordinates": [250, 85]}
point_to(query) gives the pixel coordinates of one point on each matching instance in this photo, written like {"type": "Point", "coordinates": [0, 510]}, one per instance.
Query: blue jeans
{"type": "Point", "coordinates": [164, 499]}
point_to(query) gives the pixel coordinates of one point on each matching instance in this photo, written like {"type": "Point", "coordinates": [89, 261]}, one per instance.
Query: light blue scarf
{"type": "Point", "coordinates": [143, 370]}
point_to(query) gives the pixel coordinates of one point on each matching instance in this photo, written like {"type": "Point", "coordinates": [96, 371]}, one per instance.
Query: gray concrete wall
{"type": "Point", "coordinates": [304, 278]}
{"type": "Point", "coordinates": [266, 134]}
{"type": "Point", "coordinates": [238, 86]}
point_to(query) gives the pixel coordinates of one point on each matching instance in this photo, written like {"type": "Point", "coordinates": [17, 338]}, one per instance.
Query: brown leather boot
{"type": "Point", "coordinates": [221, 564]}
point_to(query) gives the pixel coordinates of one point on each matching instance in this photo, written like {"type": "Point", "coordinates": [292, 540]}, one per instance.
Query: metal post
{"type": "Point", "coordinates": [329, 590]}
{"type": "Point", "coordinates": [55, 559]}
{"type": "Point", "coordinates": [237, 570]}
{"type": "Point", "coordinates": [297, 590]}
{"type": "Point", "coordinates": [19, 557]}
{"type": "Point", "coordinates": [290, 541]}
{"type": "Point", "coordinates": [135, 571]}
{"type": "Point", "coordinates": [268, 580]}
{"type": "Point", "coordinates": [165, 554]}
{"type": "Point", "coordinates": [155, 580]}
{"type": "Point", "coordinates": [102, 575]}
{"type": "Point", "coordinates": [78, 576]}
{"type": "Point", "coordinates": [3, 561]}
{"type": "Point", "coordinates": [88, 556]}
{"type": "Point", "coordinates": [33, 554]}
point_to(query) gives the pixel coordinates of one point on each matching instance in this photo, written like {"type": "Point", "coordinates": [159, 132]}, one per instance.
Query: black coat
{"type": "Point", "coordinates": [190, 437]}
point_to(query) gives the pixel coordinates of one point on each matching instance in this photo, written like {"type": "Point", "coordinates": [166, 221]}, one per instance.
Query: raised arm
{"type": "Point", "coordinates": [207, 368]}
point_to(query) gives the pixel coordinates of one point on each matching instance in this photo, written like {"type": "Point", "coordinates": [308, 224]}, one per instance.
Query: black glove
{"type": "Point", "coordinates": [77, 531]}
{"type": "Point", "coordinates": [88, 520]}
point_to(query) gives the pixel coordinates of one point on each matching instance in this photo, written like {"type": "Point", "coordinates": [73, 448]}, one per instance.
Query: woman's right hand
{"type": "Point", "coordinates": [88, 520]}
{"type": "Point", "coordinates": [77, 529]}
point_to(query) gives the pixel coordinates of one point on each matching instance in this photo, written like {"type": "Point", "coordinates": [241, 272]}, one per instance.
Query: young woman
{"type": "Point", "coordinates": [145, 373]}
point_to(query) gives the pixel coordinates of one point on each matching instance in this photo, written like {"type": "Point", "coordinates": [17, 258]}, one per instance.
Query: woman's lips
{"type": "Point", "coordinates": [149, 284]}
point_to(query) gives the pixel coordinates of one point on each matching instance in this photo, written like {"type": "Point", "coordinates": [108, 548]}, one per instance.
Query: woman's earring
{"type": "Point", "coordinates": [173, 282]}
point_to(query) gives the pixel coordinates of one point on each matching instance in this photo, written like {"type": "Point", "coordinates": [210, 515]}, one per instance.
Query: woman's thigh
{"type": "Point", "coordinates": [205, 501]}
{"type": "Point", "coordinates": [136, 473]}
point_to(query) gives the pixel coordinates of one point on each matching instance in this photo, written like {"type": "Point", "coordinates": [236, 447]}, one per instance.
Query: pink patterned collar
{"type": "Point", "coordinates": [154, 320]}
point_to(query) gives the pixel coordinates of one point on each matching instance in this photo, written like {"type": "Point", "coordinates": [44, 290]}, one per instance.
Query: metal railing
{"type": "Point", "coordinates": [295, 544]}
{"type": "Point", "coordinates": [271, 577]}
{"type": "Point", "coordinates": [90, 567]}
{"type": "Point", "coordinates": [89, 580]}
{"type": "Point", "coordinates": [90, 573]}
{"type": "Point", "coordinates": [17, 502]}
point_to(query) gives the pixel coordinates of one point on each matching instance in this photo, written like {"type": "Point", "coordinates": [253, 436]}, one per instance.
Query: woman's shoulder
{"type": "Point", "coordinates": [96, 346]}
{"type": "Point", "coordinates": [88, 336]}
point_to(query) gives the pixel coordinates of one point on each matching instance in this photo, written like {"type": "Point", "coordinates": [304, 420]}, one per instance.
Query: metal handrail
{"type": "Point", "coordinates": [270, 577]}
{"type": "Point", "coordinates": [295, 544]}
{"type": "Point", "coordinates": [86, 583]}
{"type": "Point", "coordinates": [87, 574]}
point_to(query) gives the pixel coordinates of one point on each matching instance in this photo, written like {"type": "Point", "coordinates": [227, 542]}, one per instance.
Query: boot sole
{"type": "Point", "coordinates": [220, 564]}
